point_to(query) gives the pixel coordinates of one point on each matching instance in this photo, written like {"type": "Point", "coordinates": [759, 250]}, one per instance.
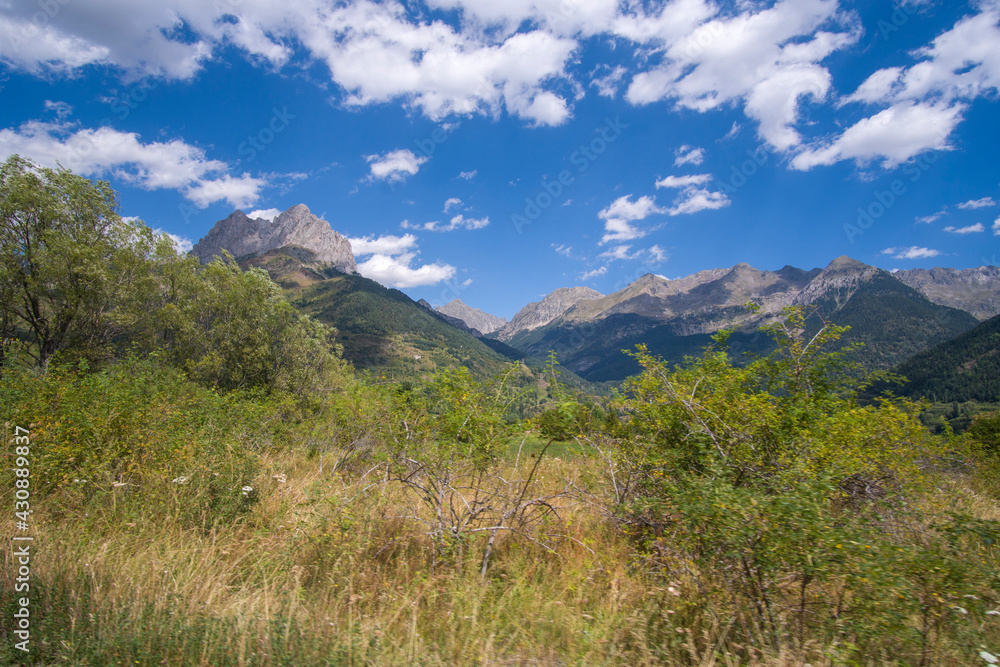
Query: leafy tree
{"type": "Point", "coordinates": [69, 264]}
{"type": "Point", "coordinates": [233, 329]}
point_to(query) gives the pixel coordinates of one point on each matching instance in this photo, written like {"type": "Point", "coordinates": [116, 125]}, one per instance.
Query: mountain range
{"type": "Point", "coordinates": [894, 315]}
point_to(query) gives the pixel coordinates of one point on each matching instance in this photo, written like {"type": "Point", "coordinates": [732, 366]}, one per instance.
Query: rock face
{"type": "Point", "coordinates": [540, 313]}
{"type": "Point", "coordinates": [473, 317]}
{"type": "Point", "coordinates": [976, 291]}
{"type": "Point", "coordinates": [456, 322]}
{"type": "Point", "coordinates": [246, 237]}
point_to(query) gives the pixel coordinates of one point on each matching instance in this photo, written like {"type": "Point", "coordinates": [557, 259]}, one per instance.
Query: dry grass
{"type": "Point", "coordinates": [323, 571]}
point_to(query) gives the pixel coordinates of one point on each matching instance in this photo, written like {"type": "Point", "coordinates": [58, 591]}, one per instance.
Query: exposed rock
{"type": "Point", "coordinates": [976, 291]}
{"type": "Point", "coordinates": [540, 313]}
{"type": "Point", "coordinates": [453, 321]}
{"type": "Point", "coordinates": [246, 237]}
{"type": "Point", "coordinates": [475, 318]}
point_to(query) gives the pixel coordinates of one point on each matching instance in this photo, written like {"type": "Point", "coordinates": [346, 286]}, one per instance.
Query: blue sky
{"type": "Point", "coordinates": [494, 151]}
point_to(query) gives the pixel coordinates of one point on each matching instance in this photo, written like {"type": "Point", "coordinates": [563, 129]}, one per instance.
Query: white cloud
{"type": "Point", "coordinates": [383, 245]}
{"type": "Point", "coordinates": [893, 135]}
{"type": "Point", "coordinates": [607, 84]}
{"type": "Point", "coordinates": [391, 259]}
{"type": "Point", "coordinates": [599, 271]}
{"type": "Point", "coordinates": [61, 109]}
{"type": "Point", "coordinates": [913, 252]}
{"type": "Point", "coordinates": [619, 215]}
{"type": "Point", "coordinates": [996, 227]}
{"type": "Point", "coordinates": [265, 214]}
{"type": "Point", "coordinates": [618, 252]}
{"type": "Point", "coordinates": [971, 229]}
{"type": "Point", "coordinates": [457, 222]}
{"type": "Point", "coordinates": [156, 165]}
{"type": "Point", "coordinates": [451, 202]}
{"type": "Point", "coordinates": [182, 244]}
{"type": "Point", "coordinates": [683, 181]}
{"type": "Point", "coordinates": [688, 155]}
{"type": "Point", "coordinates": [767, 59]}
{"type": "Point", "coordinates": [651, 256]}
{"type": "Point", "coordinates": [934, 217]}
{"type": "Point", "coordinates": [926, 100]}
{"type": "Point", "coordinates": [563, 249]}
{"type": "Point", "coordinates": [693, 198]}
{"type": "Point", "coordinates": [374, 51]}
{"type": "Point", "coordinates": [468, 175]}
{"type": "Point", "coordinates": [238, 191]}
{"type": "Point", "coordinates": [985, 202]}
{"type": "Point", "coordinates": [394, 166]}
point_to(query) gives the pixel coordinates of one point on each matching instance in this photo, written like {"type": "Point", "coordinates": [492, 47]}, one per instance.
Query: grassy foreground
{"type": "Point", "coordinates": [322, 570]}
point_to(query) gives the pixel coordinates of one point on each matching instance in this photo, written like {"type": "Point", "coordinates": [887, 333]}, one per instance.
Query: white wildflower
{"type": "Point", "coordinates": [247, 490]}
{"type": "Point", "coordinates": [179, 480]}
{"type": "Point", "coordinates": [281, 478]}
{"type": "Point", "coordinates": [989, 657]}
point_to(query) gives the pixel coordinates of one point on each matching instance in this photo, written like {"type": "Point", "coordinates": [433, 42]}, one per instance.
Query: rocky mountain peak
{"type": "Point", "coordinates": [540, 313]}
{"type": "Point", "coordinates": [246, 237]}
{"type": "Point", "coordinates": [473, 317]}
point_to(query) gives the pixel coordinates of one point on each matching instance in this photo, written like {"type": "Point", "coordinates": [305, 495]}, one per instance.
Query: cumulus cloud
{"type": "Point", "coordinates": [181, 243]}
{"type": "Point", "coordinates": [971, 229]}
{"type": "Point", "coordinates": [913, 252]}
{"type": "Point", "coordinates": [608, 81]}
{"type": "Point", "coordinates": [767, 59]}
{"type": "Point", "coordinates": [934, 217]}
{"type": "Point", "coordinates": [688, 155]}
{"type": "Point", "coordinates": [985, 202]}
{"type": "Point", "coordinates": [893, 136]}
{"type": "Point", "coordinates": [451, 202]}
{"type": "Point", "coordinates": [394, 166]}
{"type": "Point", "coordinates": [265, 214]}
{"type": "Point", "coordinates": [60, 109]}
{"type": "Point", "coordinates": [651, 256]}
{"type": "Point", "coordinates": [374, 51]}
{"type": "Point", "coordinates": [457, 222]}
{"type": "Point", "coordinates": [468, 175]}
{"type": "Point", "coordinates": [683, 181]}
{"type": "Point", "coordinates": [595, 273]}
{"type": "Point", "coordinates": [693, 196]}
{"type": "Point", "coordinates": [622, 212]}
{"type": "Point", "coordinates": [155, 165]}
{"type": "Point", "coordinates": [996, 227]}
{"type": "Point", "coordinates": [563, 249]}
{"type": "Point", "coordinates": [390, 262]}
{"type": "Point", "coordinates": [925, 101]}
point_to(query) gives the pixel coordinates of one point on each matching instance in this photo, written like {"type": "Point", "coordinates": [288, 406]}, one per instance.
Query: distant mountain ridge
{"type": "Point", "coordinates": [540, 313]}
{"type": "Point", "coordinates": [246, 237]}
{"type": "Point", "coordinates": [479, 320]}
{"type": "Point", "coordinates": [676, 317]}
{"type": "Point", "coordinates": [975, 290]}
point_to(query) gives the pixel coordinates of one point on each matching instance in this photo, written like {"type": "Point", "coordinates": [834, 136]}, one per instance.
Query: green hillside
{"type": "Point", "coordinates": [892, 321]}
{"type": "Point", "coordinates": [966, 368]}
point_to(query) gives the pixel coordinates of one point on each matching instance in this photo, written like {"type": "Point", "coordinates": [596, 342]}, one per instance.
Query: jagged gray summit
{"type": "Point", "coordinates": [245, 237]}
